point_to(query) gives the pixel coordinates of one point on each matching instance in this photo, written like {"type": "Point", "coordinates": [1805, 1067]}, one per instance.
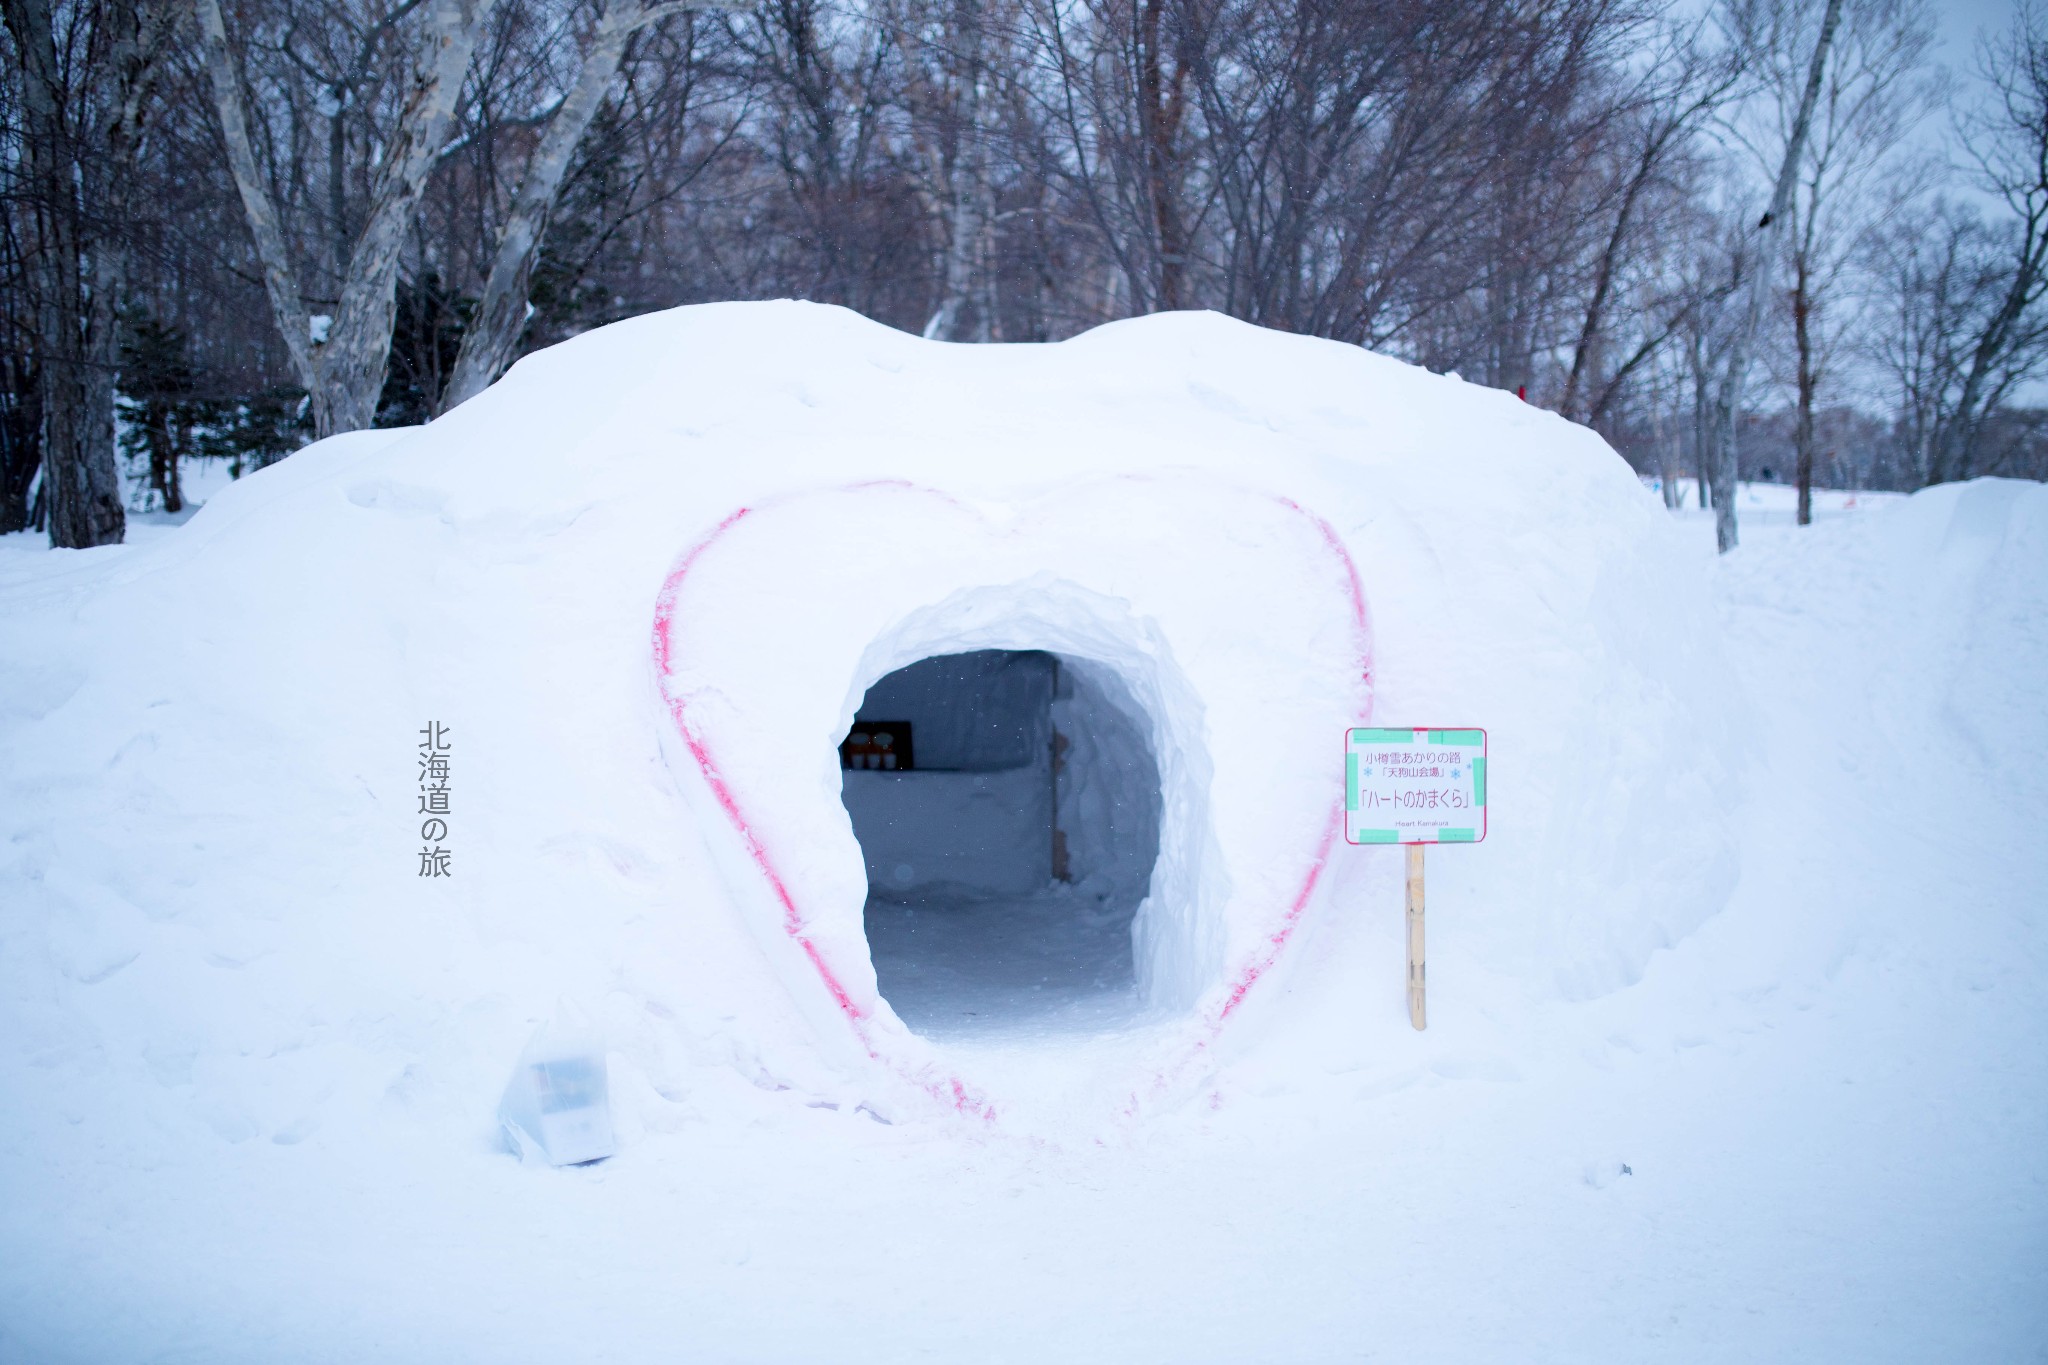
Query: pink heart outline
{"type": "Point", "coordinates": [947, 1089]}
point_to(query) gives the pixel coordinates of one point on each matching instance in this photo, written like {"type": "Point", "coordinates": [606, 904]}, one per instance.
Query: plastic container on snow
{"type": "Point", "coordinates": [558, 1105]}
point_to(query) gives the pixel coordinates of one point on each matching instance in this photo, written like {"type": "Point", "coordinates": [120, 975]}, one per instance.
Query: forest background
{"type": "Point", "coordinates": [1776, 239]}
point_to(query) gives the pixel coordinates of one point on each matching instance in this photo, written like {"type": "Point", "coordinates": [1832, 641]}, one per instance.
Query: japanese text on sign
{"type": "Point", "coordinates": [1415, 786]}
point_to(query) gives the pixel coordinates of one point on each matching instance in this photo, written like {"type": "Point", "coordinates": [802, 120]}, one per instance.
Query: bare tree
{"type": "Point", "coordinates": [85, 109]}
{"type": "Point", "coordinates": [493, 336]}
{"type": "Point", "coordinates": [1684, 81]}
{"type": "Point", "coordinates": [1710, 289]}
{"type": "Point", "coordinates": [342, 363]}
{"type": "Point", "coordinates": [952, 54]}
{"type": "Point", "coordinates": [1948, 282]}
{"type": "Point", "coordinates": [1528, 191]}
{"type": "Point", "coordinates": [1763, 250]}
{"type": "Point", "coordinates": [1119, 96]}
{"type": "Point", "coordinates": [838, 218]}
{"type": "Point", "coordinates": [2010, 148]}
{"type": "Point", "coordinates": [1852, 176]}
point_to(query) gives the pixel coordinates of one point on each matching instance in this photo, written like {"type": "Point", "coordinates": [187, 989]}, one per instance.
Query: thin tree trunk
{"type": "Point", "coordinates": [1595, 321]}
{"type": "Point", "coordinates": [1702, 423]}
{"type": "Point", "coordinates": [81, 484]}
{"type": "Point", "coordinates": [280, 279]}
{"type": "Point", "coordinates": [1737, 371]}
{"type": "Point", "coordinates": [1161, 107]}
{"type": "Point", "coordinates": [1667, 458]}
{"type": "Point", "coordinates": [1648, 160]}
{"type": "Point", "coordinates": [345, 374]}
{"type": "Point", "coordinates": [1802, 427]}
{"type": "Point", "coordinates": [1954, 442]}
{"type": "Point", "coordinates": [141, 38]}
{"type": "Point", "coordinates": [160, 432]}
{"type": "Point", "coordinates": [338, 236]}
{"type": "Point", "coordinates": [489, 344]}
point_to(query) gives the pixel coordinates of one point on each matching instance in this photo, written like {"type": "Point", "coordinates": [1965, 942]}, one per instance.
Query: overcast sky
{"type": "Point", "coordinates": [1962, 20]}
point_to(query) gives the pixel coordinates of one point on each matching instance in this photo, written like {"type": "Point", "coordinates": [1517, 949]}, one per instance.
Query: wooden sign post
{"type": "Point", "coordinates": [1415, 787]}
{"type": "Point", "coordinates": [1418, 977]}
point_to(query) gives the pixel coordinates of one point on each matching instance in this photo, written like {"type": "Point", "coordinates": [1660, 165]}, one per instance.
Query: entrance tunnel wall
{"type": "Point", "coordinates": [1132, 790]}
{"type": "Point", "coordinates": [1026, 773]}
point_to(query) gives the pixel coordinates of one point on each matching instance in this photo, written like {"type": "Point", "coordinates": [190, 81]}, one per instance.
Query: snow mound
{"type": "Point", "coordinates": [645, 581]}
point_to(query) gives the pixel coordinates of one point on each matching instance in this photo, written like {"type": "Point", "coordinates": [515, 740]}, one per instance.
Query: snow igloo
{"type": "Point", "coordinates": [682, 584]}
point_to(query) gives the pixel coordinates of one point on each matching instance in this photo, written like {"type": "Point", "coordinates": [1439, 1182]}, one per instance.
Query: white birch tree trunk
{"type": "Point", "coordinates": [1722, 464]}
{"type": "Point", "coordinates": [80, 140]}
{"type": "Point", "coordinates": [966, 309]}
{"type": "Point", "coordinates": [493, 337]}
{"type": "Point", "coordinates": [344, 374]}
{"type": "Point", "coordinates": [143, 31]}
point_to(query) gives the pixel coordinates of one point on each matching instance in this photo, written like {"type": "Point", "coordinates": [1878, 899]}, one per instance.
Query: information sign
{"type": "Point", "coordinates": [1415, 786]}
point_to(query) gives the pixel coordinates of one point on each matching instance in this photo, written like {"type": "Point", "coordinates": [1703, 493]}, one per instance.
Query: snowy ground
{"type": "Point", "coordinates": [1762, 508]}
{"type": "Point", "coordinates": [23, 556]}
{"type": "Point", "coordinates": [1815, 1129]}
{"type": "Point", "coordinates": [960, 967]}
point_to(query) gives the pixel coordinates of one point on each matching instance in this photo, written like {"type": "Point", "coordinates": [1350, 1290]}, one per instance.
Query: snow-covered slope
{"type": "Point", "coordinates": [257, 1056]}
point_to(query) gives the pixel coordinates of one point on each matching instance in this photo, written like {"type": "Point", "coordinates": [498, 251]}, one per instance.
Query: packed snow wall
{"type": "Point", "coordinates": [1024, 768]}
{"type": "Point", "coordinates": [1106, 789]}
{"type": "Point", "coordinates": [1195, 512]}
{"type": "Point", "coordinates": [972, 805]}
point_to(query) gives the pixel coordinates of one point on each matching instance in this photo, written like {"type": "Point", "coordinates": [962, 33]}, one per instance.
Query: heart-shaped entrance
{"type": "Point", "coordinates": [1218, 633]}
{"type": "Point", "coordinates": [1008, 806]}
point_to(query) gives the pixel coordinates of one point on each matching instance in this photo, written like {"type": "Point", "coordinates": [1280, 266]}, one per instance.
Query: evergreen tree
{"type": "Point", "coordinates": [159, 405]}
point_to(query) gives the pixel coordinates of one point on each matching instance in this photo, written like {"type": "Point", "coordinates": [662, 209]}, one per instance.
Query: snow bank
{"type": "Point", "coordinates": [1246, 540]}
